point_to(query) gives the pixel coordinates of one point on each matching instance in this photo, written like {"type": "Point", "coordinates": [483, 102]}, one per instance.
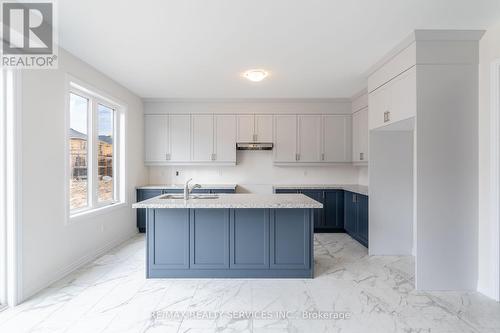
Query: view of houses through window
{"type": "Point", "coordinates": [78, 140]}
{"type": "Point", "coordinates": [91, 144]}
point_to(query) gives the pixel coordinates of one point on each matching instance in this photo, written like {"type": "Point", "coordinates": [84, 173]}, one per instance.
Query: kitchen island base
{"type": "Point", "coordinates": [230, 243]}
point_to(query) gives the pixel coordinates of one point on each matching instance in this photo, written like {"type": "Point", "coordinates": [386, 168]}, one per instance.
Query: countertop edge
{"type": "Point", "coordinates": [355, 188]}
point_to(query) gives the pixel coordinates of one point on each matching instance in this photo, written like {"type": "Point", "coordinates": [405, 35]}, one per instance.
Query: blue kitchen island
{"type": "Point", "coordinates": [230, 236]}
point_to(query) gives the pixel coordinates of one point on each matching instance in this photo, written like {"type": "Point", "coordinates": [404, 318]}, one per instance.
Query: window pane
{"type": "Point", "coordinates": [105, 153]}
{"type": "Point", "coordinates": [78, 135]}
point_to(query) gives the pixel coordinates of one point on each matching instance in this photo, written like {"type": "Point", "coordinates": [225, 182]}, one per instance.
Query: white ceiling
{"type": "Point", "coordinates": [197, 49]}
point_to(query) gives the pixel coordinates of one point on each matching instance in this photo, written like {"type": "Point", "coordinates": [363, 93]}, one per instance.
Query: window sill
{"type": "Point", "coordinates": [95, 212]}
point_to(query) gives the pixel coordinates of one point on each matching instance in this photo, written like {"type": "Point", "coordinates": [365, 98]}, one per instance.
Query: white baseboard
{"type": "Point", "coordinates": [75, 265]}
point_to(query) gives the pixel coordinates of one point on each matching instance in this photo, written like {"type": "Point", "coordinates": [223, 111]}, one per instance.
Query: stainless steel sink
{"type": "Point", "coordinates": [191, 196]}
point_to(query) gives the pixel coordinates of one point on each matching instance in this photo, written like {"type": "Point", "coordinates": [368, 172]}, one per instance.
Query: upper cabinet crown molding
{"type": "Point", "coordinates": [438, 40]}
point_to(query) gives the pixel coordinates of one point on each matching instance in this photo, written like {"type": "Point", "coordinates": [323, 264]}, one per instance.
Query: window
{"type": "Point", "coordinates": [94, 124]}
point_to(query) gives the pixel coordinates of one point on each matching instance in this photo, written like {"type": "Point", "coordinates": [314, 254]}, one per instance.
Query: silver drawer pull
{"type": "Point", "coordinates": [387, 116]}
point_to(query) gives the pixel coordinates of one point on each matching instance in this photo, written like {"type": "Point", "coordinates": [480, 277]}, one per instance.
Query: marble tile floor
{"type": "Point", "coordinates": [112, 295]}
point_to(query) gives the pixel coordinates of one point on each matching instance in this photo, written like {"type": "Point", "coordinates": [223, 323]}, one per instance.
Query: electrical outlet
{"type": "Point", "coordinates": [176, 173]}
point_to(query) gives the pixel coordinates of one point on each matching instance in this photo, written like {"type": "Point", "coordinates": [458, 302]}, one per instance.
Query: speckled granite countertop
{"type": "Point", "coordinates": [360, 189]}
{"type": "Point", "coordinates": [181, 186]}
{"type": "Point", "coordinates": [234, 201]}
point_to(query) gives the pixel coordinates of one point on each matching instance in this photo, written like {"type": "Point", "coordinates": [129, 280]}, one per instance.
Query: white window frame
{"type": "Point", "coordinates": [94, 206]}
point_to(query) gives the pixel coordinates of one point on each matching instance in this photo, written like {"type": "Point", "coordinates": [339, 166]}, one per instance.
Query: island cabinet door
{"type": "Point", "coordinates": [290, 238]}
{"type": "Point", "coordinates": [209, 238]}
{"type": "Point", "coordinates": [168, 238]}
{"type": "Point", "coordinates": [249, 239]}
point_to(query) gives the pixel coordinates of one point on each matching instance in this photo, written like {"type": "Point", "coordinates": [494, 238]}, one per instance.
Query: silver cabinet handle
{"type": "Point", "coordinates": [213, 157]}
{"type": "Point", "coordinates": [387, 116]}
{"type": "Point", "coordinates": [297, 157]}
{"type": "Point", "coordinates": [167, 156]}
{"type": "Point", "coordinates": [361, 156]}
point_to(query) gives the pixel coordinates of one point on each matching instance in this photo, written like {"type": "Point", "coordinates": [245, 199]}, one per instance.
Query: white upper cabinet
{"type": "Point", "coordinates": [336, 138]}
{"type": "Point", "coordinates": [360, 136]}
{"type": "Point", "coordinates": [156, 138]}
{"type": "Point", "coordinates": [255, 128]}
{"type": "Point", "coordinates": [264, 128]}
{"type": "Point", "coordinates": [309, 138]}
{"type": "Point", "coordinates": [202, 136]}
{"type": "Point", "coordinates": [396, 100]}
{"type": "Point", "coordinates": [225, 138]}
{"type": "Point", "coordinates": [245, 130]}
{"type": "Point", "coordinates": [180, 138]}
{"type": "Point", "coordinates": [285, 138]}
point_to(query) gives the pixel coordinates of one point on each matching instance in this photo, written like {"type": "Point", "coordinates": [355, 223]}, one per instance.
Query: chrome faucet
{"type": "Point", "coordinates": [188, 190]}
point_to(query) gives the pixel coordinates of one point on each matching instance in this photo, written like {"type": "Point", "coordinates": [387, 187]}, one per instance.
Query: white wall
{"type": "Point", "coordinates": [254, 171]}
{"type": "Point", "coordinates": [50, 246]}
{"type": "Point", "coordinates": [363, 176]}
{"type": "Point", "coordinates": [488, 228]}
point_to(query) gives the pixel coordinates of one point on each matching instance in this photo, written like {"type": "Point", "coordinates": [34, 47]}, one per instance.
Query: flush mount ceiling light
{"type": "Point", "coordinates": [255, 75]}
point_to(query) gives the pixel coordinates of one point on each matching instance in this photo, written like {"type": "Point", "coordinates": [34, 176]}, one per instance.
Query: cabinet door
{"type": "Point", "coordinates": [362, 227]}
{"type": "Point", "coordinates": [356, 136]}
{"type": "Point", "coordinates": [180, 138]}
{"type": "Point", "coordinates": [403, 99]}
{"type": "Point", "coordinates": [209, 238]}
{"type": "Point", "coordinates": [309, 140]}
{"type": "Point", "coordinates": [249, 238]}
{"type": "Point", "coordinates": [264, 128]}
{"type": "Point", "coordinates": [363, 135]}
{"type": "Point", "coordinates": [378, 101]}
{"type": "Point", "coordinates": [334, 209]}
{"type": "Point", "coordinates": [202, 134]}
{"type": "Point", "coordinates": [350, 213]}
{"type": "Point", "coordinates": [290, 239]}
{"type": "Point", "coordinates": [156, 138]}
{"type": "Point", "coordinates": [225, 138]}
{"type": "Point", "coordinates": [285, 134]}
{"type": "Point", "coordinates": [168, 240]}
{"type": "Point", "coordinates": [318, 215]}
{"type": "Point", "coordinates": [245, 124]}
{"type": "Point", "coordinates": [337, 138]}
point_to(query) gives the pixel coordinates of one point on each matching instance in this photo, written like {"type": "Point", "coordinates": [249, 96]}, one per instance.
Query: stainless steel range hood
{"type": "Point", "coordinates": [254, 146]}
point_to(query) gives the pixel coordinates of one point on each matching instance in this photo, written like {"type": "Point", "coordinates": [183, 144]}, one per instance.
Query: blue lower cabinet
{"type": "Point", "coordinates": [143, 194]}
{"type": "Point", "coordinates": [290, 240]}
{"type": "Point", "coordinates": [249, 238]}
{"type": "Point", "coordinates": [356, 216]}
{"type": "Point", "coordinates": [350, 213]}
{"type": "Point", "coordinates": [319, 219]}
{"type": "Point", "coordinates": [363, 219]}
{"type": "Point", "coordinates": [286, 190]}
{"type": "Point", "coordinates": [333, 210]}
{"type": "Point", "coordinates": [209, 238]}
{"type": "Point", "coordinates": [168, 241]}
